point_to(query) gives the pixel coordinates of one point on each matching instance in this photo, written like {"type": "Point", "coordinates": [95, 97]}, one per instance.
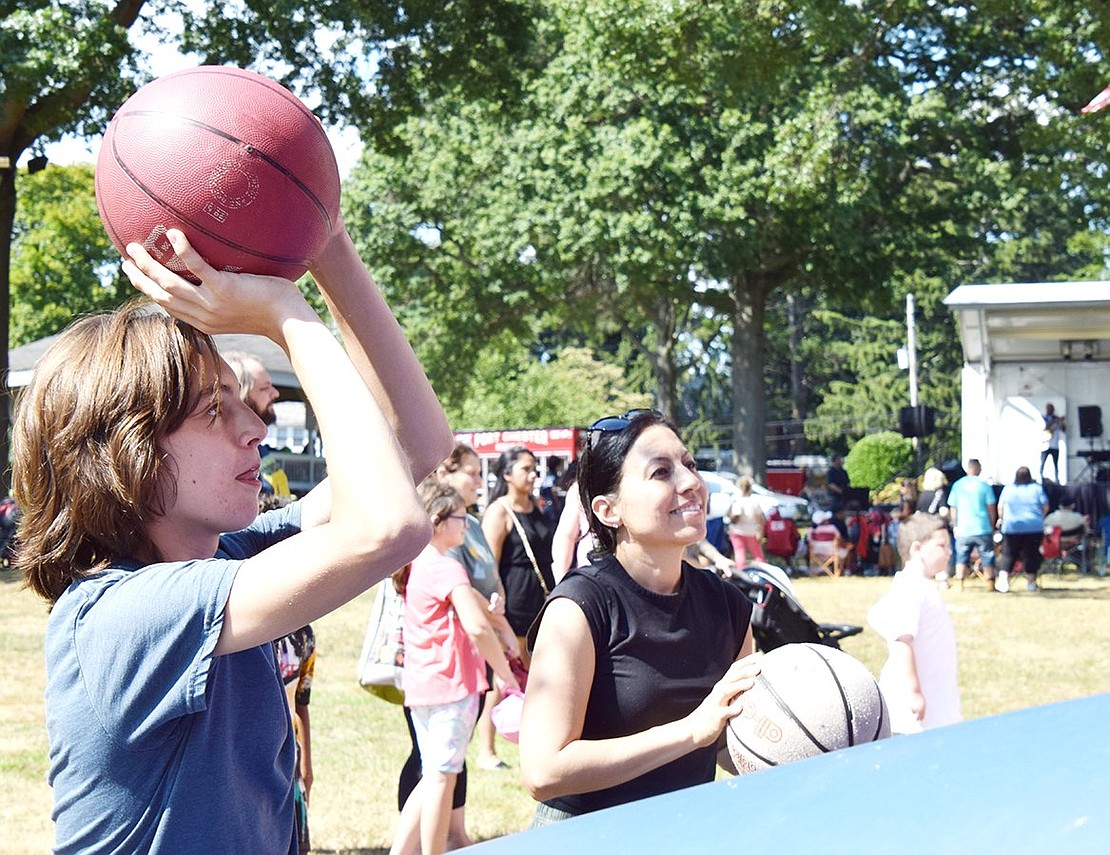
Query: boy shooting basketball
{"type": "Point", "coordinates": [136, 465]}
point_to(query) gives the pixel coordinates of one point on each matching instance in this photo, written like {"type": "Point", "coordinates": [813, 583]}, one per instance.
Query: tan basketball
{"type": "Point", "coordinates": [808, 700]}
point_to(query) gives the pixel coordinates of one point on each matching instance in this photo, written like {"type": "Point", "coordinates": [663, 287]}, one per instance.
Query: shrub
{"type": "Point", "coordinates": [877, 458]}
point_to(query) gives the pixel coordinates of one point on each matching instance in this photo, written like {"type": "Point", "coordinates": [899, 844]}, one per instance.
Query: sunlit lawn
{"type": "Point", "coordinates": [1016, 650]}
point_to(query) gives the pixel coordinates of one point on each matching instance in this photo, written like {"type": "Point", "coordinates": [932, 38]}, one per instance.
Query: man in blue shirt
{"type": "Point", "coordinates": [973, 511]}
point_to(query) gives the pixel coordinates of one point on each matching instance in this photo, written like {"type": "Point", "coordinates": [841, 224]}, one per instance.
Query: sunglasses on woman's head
{"type": "Point", "coordinates": [615, 424]}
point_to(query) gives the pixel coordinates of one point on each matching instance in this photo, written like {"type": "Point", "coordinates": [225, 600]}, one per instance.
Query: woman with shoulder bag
{"type": "Point", "coordinates": [745, 524]}
{"type": "Point", "coordinates": [520, 537]}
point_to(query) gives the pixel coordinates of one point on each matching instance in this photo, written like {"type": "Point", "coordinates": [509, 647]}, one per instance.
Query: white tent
{"type": "Point", "coordinates": [1026, 345]}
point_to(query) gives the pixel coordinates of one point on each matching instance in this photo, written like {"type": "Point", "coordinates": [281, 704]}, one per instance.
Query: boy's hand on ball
{"type": "Point", "coordinates": [223, 302]}
{"type": "Point", "coordinates": [723, 702]}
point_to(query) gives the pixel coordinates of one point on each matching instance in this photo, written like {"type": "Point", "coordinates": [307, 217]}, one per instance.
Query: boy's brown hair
{"type": "Point", "coordinates": [88, 469]}
{"type": "Point", "coordinates": [917, 528]}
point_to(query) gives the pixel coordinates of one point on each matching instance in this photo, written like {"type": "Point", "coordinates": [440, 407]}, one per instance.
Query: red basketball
{"type": "Point", "coordinates": [230, 158]}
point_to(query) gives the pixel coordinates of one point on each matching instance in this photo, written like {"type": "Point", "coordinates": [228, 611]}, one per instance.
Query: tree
{"type": "Point", "coordinates": [63, 263]}
{"type": "Point", "coordinates": [569, 389]}
{"type": "Point", "coordinates": [67, 65]}
{"type": "Point", "coordinates": [734, 155]}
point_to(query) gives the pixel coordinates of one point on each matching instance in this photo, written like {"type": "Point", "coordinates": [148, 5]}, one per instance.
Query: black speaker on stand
{"type": "Point", "coordinates": [1090, 422]}
{"type": "Point", "coordinates": [1090, 427]}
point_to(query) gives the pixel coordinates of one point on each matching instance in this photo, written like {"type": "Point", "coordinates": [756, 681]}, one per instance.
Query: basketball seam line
{"type": "Point", "coordinates": [786, 709]}
{"type": "Point", "coordinates": [882, 714]}
{"type": "Point", "coordinates": [749, 748]}
{"type": "Point", "coordinates": [849, 722]}
{"type": "Point", "coordinates": [241, 143]}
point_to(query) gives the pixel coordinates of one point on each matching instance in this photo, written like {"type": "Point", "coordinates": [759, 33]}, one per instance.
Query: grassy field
{"type": "Point", "coordinates": [1016, 650]}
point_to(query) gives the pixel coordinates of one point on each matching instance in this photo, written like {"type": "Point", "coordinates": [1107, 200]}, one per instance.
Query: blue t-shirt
{"type": "Point", "coordinates": [970, 496]}
{"type": "Point", "coordinates": [1022, 508]}
{"type": "Point", "coordinates": [156, 746]}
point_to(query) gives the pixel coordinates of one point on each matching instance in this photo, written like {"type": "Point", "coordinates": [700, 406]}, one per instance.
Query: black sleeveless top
{"type": "Point", "coordinates": [524, 595]}
{"type": "Point", "coordinates": [656, 658]}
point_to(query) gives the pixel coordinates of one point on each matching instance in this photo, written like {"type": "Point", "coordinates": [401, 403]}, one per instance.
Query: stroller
{"type": "Point", "coordinates": [9, 519]}
{"type": "Point", "coordinates": [777, 616]}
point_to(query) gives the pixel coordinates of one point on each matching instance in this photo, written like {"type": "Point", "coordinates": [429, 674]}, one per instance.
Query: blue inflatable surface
{"type": "Point", "coordinates": [1033, 781]}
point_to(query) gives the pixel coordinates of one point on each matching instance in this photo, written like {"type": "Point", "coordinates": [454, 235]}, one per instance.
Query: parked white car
{"type": "Point", "coordinates": [722, 489]}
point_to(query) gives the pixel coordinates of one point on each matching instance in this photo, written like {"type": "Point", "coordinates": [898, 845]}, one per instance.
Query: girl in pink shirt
{"type": "Point", "coordinates": [448, 639]}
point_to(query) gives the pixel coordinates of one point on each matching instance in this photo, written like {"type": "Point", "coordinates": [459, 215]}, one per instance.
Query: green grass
{"type": "Point", "coordinates": [1016, 650]}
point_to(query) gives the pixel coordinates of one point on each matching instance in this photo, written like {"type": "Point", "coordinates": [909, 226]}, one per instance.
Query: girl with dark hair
{"type": "Point", "coordinates": [639, 660]}
{"type": "Point", "coordinates": [519, 534]}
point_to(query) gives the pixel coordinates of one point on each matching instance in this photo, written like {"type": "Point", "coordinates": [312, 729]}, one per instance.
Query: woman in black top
{"type": "Point", "coordinates": [639, 660]}
{"type": "Point", "coordinates": [519, 536]}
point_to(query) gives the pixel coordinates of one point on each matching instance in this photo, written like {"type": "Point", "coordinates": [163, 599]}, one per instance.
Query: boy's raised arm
{"type": "Point", "coordinates": [383, 356]}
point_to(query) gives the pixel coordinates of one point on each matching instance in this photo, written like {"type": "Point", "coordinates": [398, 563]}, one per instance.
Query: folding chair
{"type": "Point", "coordinates": [1064, 550]}
{"type": "Point", "coordinates": [781, 538]}
{"type": "Point", "coordinates": [826, 555]}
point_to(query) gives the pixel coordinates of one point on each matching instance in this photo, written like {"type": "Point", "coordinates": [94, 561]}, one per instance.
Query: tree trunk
{"type": "Point", "coordinates": [664, 363]}
{"type": "Point", "coordinates": [799, 405]}
{"type": "Point", "coordinates": [749, 399]}
{"type": "Point", "coordinates": [7, 223]}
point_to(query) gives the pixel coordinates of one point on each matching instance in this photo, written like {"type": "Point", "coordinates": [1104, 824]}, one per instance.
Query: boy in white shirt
{"type": "Point", "coordinates": [918, 679]}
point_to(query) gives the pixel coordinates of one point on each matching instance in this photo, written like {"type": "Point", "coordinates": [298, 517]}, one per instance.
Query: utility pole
{"type": "Point", "coordinates": [911, 354]}
{"type": "Point", "coordinates": [911, 350]}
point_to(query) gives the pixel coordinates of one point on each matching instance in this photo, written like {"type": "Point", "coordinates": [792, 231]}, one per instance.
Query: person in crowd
{"type": "Point", "coordinates": [745, 524]}
{"type": "Point", "coordinates": [463, 471]}
{"type": "Point", "coordinates": [1021, 511]}
{"type": "Point", "coordinates": [705, 556]}
{"type": "Point", "coordinates": [257, 391]}
{"type": "Point", "coordinates": [1067, 519]}
{"type": "Point", "coordinates": [907, 498]}
{"type": "Point", "coordinates": [296, 658]}
{"type": "Point", "coordinates": [918, 679]}
{"type": "Point", "coordinates": [933, 499]}
{"type": "Point", "coordinates": [572, 542]}
{"type": "Point", "coordinates": [602, 725]}
{"type": "Point", "coordinates": [1054, 430]}
{"type": "Point", "coordinates": [550, 493]}
{"type": "Point", "coordinates": [837, 482]}
{"type": "Point", "coordinates": [447, 637]}
{"type": "Point", "coordinates": [823, 538]}
{"type": "Point", "coordinates": [296, 663]}
{"type": "Point", "coordinates": [973, 512]}
{"type": "Point", "coordinates": [520, 537]}
{"type": "Point", "coordinates": [138, 478]}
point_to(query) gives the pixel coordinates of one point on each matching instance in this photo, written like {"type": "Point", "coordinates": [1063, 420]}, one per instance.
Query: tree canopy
{"type": "Point", "coordinates": [738, 195]}
{"type": "Point", "coordinates": [66, 66]}
{"type": "Point", "coordinates": [738, 156]}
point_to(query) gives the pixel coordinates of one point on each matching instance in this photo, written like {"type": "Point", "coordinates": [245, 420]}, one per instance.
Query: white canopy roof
{"type": "Point", "coordinates": [22, 360]}
{"type": "Point", "coordinates": [1033, 321]}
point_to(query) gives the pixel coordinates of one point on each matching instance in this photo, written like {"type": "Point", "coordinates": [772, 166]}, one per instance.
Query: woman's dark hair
{"type": "Point", "coordinates": [600, 466]}
{"type": "Point", "coordinates": [502, 467]}
{"type": "Point", "coordinates": [1023, 476]}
